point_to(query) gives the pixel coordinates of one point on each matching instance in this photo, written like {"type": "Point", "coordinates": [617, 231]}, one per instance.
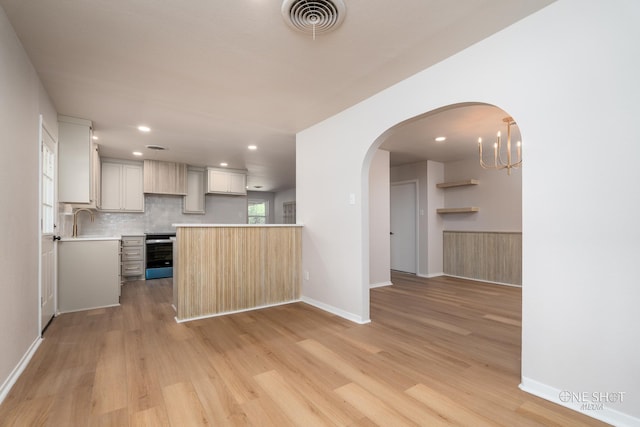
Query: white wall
{"type": "Point", "coordinates": [435, 222]}
{"type": "Point", "coordinates": [569, 74]}
{"type": "Point", "coordinates": [22, 100]}
{"type": "Point", "coordinates": [498, 195]}
{"type": "Point", "coordinates": [379, 221]}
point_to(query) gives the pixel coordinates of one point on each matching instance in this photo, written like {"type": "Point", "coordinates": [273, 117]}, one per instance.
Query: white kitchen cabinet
{"type": "Point", "coordinates": [133, 257]}
{"type": "Point", "coordinates": [237, 183]}
{"type": "Point", "coordinates": [226, 181]}
{"type": "Point", "coordinates": [194, 201]}
{"type": "Point", "coordinates": [76, 162]}
{"type": "Point", "coordinates": [122, 184]}
{"type": "Point", "coordinates": [88, 274]}
{"type": "Point", "coordinates": [96, 173]}
{"type": "Point", "coordinates": [111, 185]}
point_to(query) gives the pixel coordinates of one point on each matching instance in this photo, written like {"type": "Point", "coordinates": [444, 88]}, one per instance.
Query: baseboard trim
{"type": "Point", "coordinates": [335, 310]}
{"type": "Point", "coordinates": [430, 276]}
{"type": "Point", "coordinates": [604, 413]}
{"type": "Point", "coordinates": [17, 371]}
{"type": "Point", "coordinates": [380, 284]}
{"type": "Point", "coordinates": [483, 281]}
{"type": "Point", "coordinates": [225, 313]}
{"type": "Point", "coordinates": [90, 308]}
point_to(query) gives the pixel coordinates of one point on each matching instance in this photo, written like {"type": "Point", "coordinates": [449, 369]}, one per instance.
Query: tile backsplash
{"type": "Point", "coordinates": [160, 212]}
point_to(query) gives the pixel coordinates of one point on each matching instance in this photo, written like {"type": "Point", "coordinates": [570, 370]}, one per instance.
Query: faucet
{"type": "Point", "coordinates": [75, 219]}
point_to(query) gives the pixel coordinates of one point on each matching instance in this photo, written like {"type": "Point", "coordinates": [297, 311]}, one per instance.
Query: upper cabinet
{"type": "Point", "coordinates": [96, 175]}
{"type": "Point", "coordinates": [165, 177]}
{"type": "Point", "coordinates": [194, 200]}
{"type": "Point", "coordinates": [122, 186]}
{"type": "Point", "coordinates": [77, 180]}
{"type": "Point", "coordinates": [226, 181]}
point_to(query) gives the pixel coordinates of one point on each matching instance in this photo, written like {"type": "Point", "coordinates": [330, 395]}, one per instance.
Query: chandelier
{"type": "Point", "coordinates": [498, 161]}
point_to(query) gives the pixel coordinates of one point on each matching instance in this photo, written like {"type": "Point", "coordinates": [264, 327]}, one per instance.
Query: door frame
{"type": "Point", "coordinates": [415, 216]}
{"type": "Point", "coordinates": [44, 128]}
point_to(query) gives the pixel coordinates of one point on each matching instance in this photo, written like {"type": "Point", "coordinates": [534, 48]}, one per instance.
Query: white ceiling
{"type": "Point", "coordinates": [461, 125]}
{"type": "Point", "coordinates": [212, 76]}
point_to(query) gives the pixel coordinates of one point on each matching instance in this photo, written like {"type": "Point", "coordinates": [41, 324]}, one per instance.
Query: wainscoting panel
{"type": "Point", "coordinates": [490, 256]}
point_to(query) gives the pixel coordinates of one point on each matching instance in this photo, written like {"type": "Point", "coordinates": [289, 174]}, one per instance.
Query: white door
{"type": "Point", "coordinates": [403, 227]}
{"type": "Point", "coordinates": [47, 229]}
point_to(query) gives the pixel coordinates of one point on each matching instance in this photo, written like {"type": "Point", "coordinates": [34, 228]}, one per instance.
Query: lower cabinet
{"type": "Point", "coordinates": [88, 274]}
{"type": "Point", "coordinates": [132, 257]}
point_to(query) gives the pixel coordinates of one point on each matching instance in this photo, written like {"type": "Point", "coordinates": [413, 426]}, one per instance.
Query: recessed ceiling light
{"type": "Point", "coordinates": [142, 128]}
{"type": "Point", "coordinates": [224, 164]}
{"type": "Point", "coordinates": [252, 147]}
{"type": "Point", "coordinates": [137, 153]}
{"type": "Point", "coordinates": [441, 138]}
{"type": "Point", "coordinates": [95, 138]}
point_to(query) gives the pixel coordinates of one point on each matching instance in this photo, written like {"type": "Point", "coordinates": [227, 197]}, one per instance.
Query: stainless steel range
{"type": "Point", "coordinates": [159, 255]}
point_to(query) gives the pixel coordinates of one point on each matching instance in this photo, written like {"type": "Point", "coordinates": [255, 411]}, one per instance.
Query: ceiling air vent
{"type": "Point", "coordinates": [155, 147]}
{"type": "Point", "coordinates": [313, 16]}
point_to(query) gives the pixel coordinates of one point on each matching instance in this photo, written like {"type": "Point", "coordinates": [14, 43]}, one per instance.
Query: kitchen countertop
{"type": "Point", "coordinates": [236, 225]}
{"type": "Point", "coordinates": [87, 238]}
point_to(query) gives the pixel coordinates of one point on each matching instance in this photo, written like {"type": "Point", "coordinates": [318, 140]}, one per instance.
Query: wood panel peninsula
{"type": "Point", "coordinates": [225, 268]}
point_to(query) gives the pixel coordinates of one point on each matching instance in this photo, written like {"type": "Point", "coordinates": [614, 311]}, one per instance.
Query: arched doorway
{"type": "Point", "coordinates": [440, 307]}
{"type": "Point", "coordinates": [437, 148]}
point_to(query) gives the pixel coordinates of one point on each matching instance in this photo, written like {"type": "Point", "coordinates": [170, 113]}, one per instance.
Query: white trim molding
{"type": "Point", "coordinates": [430, 276]}
{"type": "Point", "coordinates": [337, 311]}
{"type": "Point", "coordinates": [86, 309]}
{"type": "Point", "coordinates": [225, 313]}
{"type": "Point", "coordinates": [599, 410]}
{"type": "Point", "coordinates": [380, 284]}
{"type": "Point", "coordinates": [484, 281]}
{"type": "Point", "coordinates": [17, 371]}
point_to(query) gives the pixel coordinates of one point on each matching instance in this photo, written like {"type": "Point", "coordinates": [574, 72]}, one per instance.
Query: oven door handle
{"type": "Point", "coordinates": [152, 241]}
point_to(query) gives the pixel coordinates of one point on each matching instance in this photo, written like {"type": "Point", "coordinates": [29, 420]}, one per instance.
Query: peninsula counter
{"type": "Point", "coordinates": [226, 268]}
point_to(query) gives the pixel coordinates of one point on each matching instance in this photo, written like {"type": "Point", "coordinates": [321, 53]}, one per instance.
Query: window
{"type": "Point", "coordinates": [258, 211]}
{"type": "Point", "coordinates": [48, 163]}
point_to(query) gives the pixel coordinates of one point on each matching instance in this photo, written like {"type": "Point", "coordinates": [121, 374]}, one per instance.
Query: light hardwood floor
{"type": "Point", "coordinates": [438, 352]}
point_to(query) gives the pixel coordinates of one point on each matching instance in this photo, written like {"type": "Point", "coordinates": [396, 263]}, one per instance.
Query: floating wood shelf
{"type": "Point", "coordinates": [458, 183]}
{"type": "Point", "coordinates": [457, 210]}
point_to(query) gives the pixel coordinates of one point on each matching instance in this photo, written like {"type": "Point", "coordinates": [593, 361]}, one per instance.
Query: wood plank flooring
{"type": "Point", "coordinates": [439, 351]}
